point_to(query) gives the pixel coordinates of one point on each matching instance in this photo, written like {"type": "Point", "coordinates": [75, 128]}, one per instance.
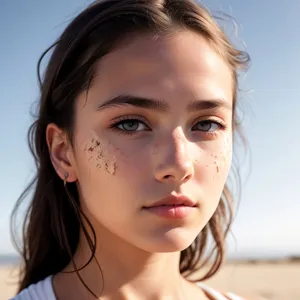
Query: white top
{"type": "Point", "coordinates": [43, 290]}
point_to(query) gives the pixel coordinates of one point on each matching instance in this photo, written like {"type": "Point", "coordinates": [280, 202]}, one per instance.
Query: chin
{"type": "Point", "coordinates": [173, 240]}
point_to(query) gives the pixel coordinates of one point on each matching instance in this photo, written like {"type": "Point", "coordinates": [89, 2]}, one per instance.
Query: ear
{"type": "Point", "coordinates": [61, 152]}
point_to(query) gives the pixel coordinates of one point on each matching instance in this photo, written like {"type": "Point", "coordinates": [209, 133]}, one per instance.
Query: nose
{"type": "Point", "coordinates": [174, 161]}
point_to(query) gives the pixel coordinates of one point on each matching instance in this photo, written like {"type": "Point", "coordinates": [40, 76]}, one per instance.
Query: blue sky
{"type": "Point", "coordinates": [268, 221]}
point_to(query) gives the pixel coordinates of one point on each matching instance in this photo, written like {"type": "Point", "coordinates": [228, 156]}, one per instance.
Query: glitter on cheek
{"type": "Point", "coordinates": [216, 159]}
{"type": "Point", "coordinates": [98, 152]}
{"type": "Point", "coordinates": [217, 163]}
{"type": "Point", "coordinates": [222, 159]}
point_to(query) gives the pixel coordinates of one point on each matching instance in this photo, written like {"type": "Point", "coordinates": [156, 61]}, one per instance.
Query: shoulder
{"type": "Point", "coordinates": [241, 297]}
{"type": "Point", "coordinates": [216, 295]}
{"type": "Point", "coordinates": [40, 290]}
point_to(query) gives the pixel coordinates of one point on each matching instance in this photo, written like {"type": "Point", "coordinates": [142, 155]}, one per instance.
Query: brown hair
{"type": "Point", "coordinates": [54, 219]}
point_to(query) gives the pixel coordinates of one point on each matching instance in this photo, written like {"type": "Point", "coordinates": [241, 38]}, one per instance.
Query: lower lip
{"type": "Point", "coordinates": [171, 212]}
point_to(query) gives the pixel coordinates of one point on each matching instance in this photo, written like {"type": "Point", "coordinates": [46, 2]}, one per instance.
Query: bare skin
{"type": "Point", "coordinates": [126, 157]}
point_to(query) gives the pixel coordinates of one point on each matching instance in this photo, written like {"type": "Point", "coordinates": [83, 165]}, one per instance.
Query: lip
{"type": "Point", "coordinates": [172, 207]}
{"type": "Point", "coordinates": [174, 200]}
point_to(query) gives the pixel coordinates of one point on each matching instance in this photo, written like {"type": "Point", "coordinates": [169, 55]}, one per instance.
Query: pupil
{"type": "Point", "coordinates": [205, 125]}
{"type": "Point", "coordinates": [130, 125]}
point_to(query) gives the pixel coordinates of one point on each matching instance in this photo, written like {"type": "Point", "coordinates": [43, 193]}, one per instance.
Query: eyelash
{"type": "Point", "coordinates": [122, 120]}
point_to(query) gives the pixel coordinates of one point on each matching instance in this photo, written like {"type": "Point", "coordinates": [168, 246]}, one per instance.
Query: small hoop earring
{"type": "Point", "coordinates": [66, 175]}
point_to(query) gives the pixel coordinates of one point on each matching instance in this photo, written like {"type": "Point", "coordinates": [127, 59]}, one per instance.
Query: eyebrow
{"type": "Point", "coordinates": [161, 106]}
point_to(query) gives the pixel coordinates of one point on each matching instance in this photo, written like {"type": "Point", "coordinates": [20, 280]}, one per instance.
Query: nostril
{"type": "Point", "coordinates": [187, 178]}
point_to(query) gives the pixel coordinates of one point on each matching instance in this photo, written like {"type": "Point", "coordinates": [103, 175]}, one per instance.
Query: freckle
{"type": "Point", "coordinates": [218, 169]}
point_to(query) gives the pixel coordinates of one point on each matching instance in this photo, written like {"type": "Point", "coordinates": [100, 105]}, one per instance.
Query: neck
{"type": "Point", "coordinates": [129, 272]}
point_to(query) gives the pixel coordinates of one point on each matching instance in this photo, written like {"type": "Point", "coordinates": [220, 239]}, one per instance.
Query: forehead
{"type": "Point", "coordinates": [180, 62]}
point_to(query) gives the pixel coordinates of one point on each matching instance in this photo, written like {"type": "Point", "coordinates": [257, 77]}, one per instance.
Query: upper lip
{"type": "Point", "coordinates": [174, 200]}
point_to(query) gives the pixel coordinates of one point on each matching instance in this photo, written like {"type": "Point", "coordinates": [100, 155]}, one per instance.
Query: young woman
{"type": "Point", "coordinates": [133, 146]}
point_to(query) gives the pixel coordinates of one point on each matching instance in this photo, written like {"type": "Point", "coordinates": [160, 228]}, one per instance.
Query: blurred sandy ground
{"type": "Point", "coordinates": [274, 281]}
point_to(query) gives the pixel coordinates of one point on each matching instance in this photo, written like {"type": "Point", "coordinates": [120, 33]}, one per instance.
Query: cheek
{"type": "Point", "coordinates": [95, 159]}
{"type": "Point", "coordinates": [215, 160]}
{"type": "Point", "coordinates": [100, 155]}
{"type": "Point", "coordinates": [212, 171]}
{"type": "Point", "coordinates": [222, 157]}
{"type": "Point", "coordinates": [107, 162]}
{"type": "Point", "coordinates": [98, 170]}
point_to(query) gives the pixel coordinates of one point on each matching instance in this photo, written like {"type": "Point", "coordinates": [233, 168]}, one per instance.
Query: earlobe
{"type": "Point", "coordinates": [59, 150]}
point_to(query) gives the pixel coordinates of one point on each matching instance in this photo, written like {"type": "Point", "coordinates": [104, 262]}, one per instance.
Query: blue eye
{"type": "Point", "coordinates": [131, 125]}
{"type": "Point", "coordinates": [207, 126]}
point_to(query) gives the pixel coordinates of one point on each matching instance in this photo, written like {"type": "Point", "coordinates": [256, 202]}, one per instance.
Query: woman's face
{"type": "Point", "coordinates": [157, 121]}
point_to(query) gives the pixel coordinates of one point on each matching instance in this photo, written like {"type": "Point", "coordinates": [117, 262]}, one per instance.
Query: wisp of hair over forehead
{"type": "Point", "coordinates": [54, 218]}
